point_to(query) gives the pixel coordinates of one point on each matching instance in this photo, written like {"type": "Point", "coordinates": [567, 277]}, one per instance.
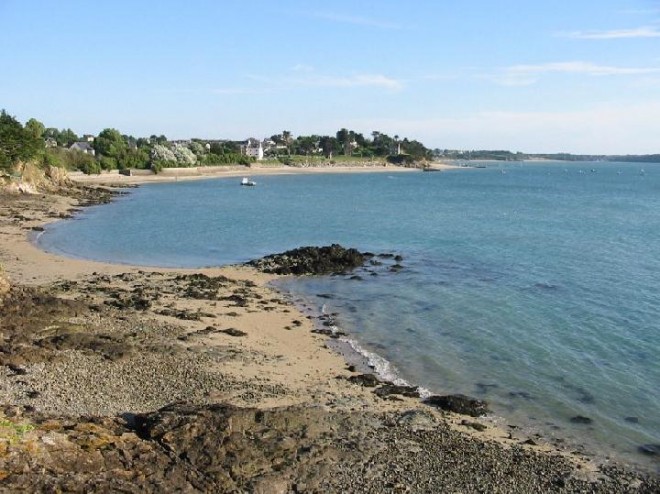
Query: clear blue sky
{"type": "Point", "coordinates": [579, 76]}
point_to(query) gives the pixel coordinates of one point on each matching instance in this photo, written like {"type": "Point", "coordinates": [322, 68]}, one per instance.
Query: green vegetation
{"type": "Point", "coordinates": [112, 150]}
{"type": "Point", "coordinates": [346, 143]}
{"type": "Point", "coordinates": [17, 143]}
{"type": "Point", "coordinates": [11, 431]}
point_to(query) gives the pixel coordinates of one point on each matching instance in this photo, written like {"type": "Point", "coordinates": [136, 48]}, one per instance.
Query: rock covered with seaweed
{"type": "Point", "coordinates": [330, 259]}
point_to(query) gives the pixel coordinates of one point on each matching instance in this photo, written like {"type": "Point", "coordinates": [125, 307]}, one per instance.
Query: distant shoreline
{"type": "Point", "coordinates": [201, 173]}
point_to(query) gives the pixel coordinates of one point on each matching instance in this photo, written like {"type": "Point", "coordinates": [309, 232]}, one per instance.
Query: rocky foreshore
{"type": "Point", "coordinates": [126, 380]}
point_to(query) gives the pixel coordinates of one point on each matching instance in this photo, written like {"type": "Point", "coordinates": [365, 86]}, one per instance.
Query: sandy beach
{"type": "Point", "coordinates": [200, 173]}
{"type": "Point", "coordinates": [148, 380]}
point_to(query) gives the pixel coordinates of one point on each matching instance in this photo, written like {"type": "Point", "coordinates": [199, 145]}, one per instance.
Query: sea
{"type": "Point", "coordinates": [532, 285]}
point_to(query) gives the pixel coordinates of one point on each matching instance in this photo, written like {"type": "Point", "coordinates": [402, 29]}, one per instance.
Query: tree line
{"type": "Point", "coordinates": [348, 143]}
{"type": "Point", "coordinates": [113, 150]}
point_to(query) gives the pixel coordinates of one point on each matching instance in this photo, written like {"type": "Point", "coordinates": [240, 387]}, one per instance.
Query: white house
{"type": "Point", "coordinates": [253, 148]}
{"type": "Point", "coordinates": [82, 146]}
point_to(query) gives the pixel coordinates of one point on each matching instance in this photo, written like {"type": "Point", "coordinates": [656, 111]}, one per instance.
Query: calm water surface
{"type": "Point", "coordinates": [534, 286]}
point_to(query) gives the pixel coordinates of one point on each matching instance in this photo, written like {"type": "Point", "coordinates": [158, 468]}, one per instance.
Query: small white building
{"type": "Point", "coordinates": [253, 148]}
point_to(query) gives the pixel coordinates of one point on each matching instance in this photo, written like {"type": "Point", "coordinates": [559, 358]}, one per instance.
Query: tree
{"type": "Point", "coordinates": [197, 148]}
{"type": "Point", "coordinates": [415, 149]}
{"type": "Point", "coordinates": [185, 157]}
{"type": "Point", "coordinates": [163, 154]}
{"type": "Point", "coordinates": [133, 158]}
{"type": "Point", "coordinates": [67, 137]}
{"type": "Point", "coordinates": [77, 160]}
{"type": "Point", "coordinates": [35, 128]}
{"type": "Point", "coordinates": [158, 139]}
{"type": "Point", "coordinates": [110, 143]}
{"type": "Point", "coordinates": [329, 145]}
{"type": "Point", "coordinates": [343, 137]}
{"type": "Point", "coordinates": [307, 144]}
{"type": "Point", "coordinates": [64, 137]}
{"type": "Point", "coordinates": [382, 144]}
{"type": "Point", "coordinates": [225, 147]}
{"type": "Point", "coordinates": [16, 143]}
{"type": "Point", "coordinates": [287, 139]}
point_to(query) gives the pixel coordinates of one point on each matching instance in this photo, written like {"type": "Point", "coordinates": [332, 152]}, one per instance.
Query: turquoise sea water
{"type": "Point", "coordinates": [534, 286]}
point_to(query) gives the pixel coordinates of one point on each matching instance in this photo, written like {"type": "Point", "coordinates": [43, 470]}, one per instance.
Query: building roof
{"type": "Point", "coordinates": [81, 146]}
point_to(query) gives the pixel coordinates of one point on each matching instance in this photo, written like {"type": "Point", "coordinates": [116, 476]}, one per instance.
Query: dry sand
{"type": "Point", "coordinates": [255, 170]}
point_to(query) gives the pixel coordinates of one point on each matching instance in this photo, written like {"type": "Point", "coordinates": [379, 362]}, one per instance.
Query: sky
{"type": "Point", "coordinates": [578, 76]}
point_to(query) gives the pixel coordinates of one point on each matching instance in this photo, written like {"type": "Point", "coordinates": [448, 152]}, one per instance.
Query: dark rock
{"type": "Point", "coordinates": [329, 332]}
{"type": "Point", "coordinates": [465, 405]}
{"type": "Point", "coordinates": [233, 332]}
{"type": "Point", "coordinates": [184, 315]}
{"type": "Point", "coordinates": [135, 302]}
{"type": "Point", "coordinates": [393, 389]}
{"type": "Point", "coordinates": [18, 371]}
{"type": "Point", "coordinates": [580, 419]}
{"type": "Point", "coordinates": [474, 425]}
{"type": "Point", "coordinates": [366, 380]}
{"type": "Point", "coordinates": [109, 347]}
{"type": "Point", "coordinates": [650, 449]}
{"type": "Point", "coordinates": [239, 301]}
{"type": "Point", "coordinates": [311, 261]}
{"type": "Point", "coordinates": [38, 228]}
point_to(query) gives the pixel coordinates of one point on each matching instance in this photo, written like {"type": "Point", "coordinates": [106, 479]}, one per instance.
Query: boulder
{"type": "Point", "coordinates": [465, 405]}
{"type": "Point", "coordinates": [367, 380]}
{"type": "Point", "coordinates": [393, 389]}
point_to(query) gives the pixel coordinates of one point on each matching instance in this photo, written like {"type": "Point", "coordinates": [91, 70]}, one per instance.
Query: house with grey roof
{"type": "Point", "coordinates": [82, 146]}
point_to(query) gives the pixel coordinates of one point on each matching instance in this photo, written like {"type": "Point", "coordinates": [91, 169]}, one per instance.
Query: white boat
{"type": "Point", "coordinates": [248, 182]}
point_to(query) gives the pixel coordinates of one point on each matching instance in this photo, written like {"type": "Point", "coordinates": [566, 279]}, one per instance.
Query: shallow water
{"type": "Point", "coordinates": [534, 286]}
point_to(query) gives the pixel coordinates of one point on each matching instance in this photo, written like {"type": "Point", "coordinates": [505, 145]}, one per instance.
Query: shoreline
{"type": "Point", "coordinates": [371, 361]}
{"type": "Point", "coordinates": [205, 173]}
{"type": "Point", "coordinates": [277, 362]}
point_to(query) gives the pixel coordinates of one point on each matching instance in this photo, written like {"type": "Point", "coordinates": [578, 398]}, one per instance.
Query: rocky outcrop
{"type": "Point", "coordinates": [30, 178]}
{"type": "Point", "coordinates": [311, 261]}
{"type": "Point", "coordinates": [222, 448]}
{"type": "Point", "coordinates": [458, 403]}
